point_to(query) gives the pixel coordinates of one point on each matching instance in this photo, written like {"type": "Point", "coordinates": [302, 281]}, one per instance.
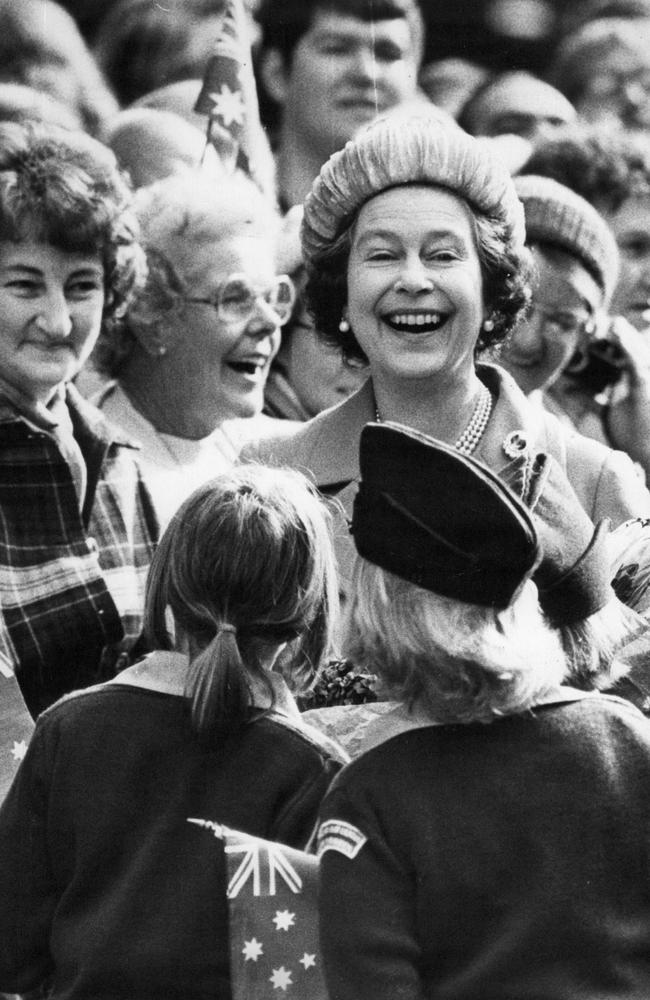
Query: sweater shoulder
{"type": "Point", "coordinates": [303, 738]}
{"type": "Point", "coordinates": [277, 444]}
{"type": "Point", "coordinates": [577, 721]}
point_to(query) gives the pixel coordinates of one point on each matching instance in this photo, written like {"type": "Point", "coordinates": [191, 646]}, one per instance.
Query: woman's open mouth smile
{"type": "Point", "coordinates": [252, 368]}
{"type": "Point", "coordinates": [415, 322]}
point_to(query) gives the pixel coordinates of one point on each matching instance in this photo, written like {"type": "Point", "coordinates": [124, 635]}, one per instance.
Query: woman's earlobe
{"type": "Point", "coordinates": [273, 74]}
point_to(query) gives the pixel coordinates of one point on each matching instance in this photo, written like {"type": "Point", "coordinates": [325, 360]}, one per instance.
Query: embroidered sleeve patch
{"type": "Point", "coordinates": [337, 835]}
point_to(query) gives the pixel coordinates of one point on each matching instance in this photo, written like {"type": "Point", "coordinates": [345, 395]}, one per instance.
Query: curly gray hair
{"type": "Point", "coordinates": [176, 214]}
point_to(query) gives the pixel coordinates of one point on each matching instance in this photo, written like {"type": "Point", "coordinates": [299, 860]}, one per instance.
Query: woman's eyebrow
{"type": "Point", "coordinates": [377, 234]}
{"type": "Point", "coordinates": [21, 267]}
{"type": "Point", "coordinates": [94, 269]}
{"type": "Point", "coordinates": [388, 234]}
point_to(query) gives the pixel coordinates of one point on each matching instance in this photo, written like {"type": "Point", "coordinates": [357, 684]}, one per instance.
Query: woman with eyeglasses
{"type": "Point", "coordinates": [564, 353]}
{"type": "Point", "coordinates": [576, 263]}
{"type": "Point", "coordinates": [195, 351]}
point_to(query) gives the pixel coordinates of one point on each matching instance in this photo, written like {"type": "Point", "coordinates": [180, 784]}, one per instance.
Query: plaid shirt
{"type": "Point", "coordinates": [71, 581]}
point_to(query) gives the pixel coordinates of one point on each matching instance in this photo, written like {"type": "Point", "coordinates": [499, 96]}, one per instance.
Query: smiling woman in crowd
{"type": "Point", "coordinates": [78, 526]}
{"type": "Point", "coordinates": [413, 238]}
{"type": "Point", "coordinates": [577, 265]}
{"type": "Point", "coordinates": [197, 345]}
{"type": "Point", "coordinates": [605, 392]}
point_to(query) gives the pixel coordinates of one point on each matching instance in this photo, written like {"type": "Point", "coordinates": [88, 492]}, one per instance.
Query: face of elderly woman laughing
{"type": "Point", "coordinates": [51, 304]}
{"type": "Point", "coordinates": [228, 359]}
{"type": "Point", "coordinates": [415, 289]}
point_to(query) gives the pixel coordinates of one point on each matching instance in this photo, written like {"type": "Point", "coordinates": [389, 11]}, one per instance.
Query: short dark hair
{"type": "Point", "coordinates": [506, 268]}
{"type": "Point", "coordinates": [604, 165]}
{"type": "Point", "coordinates": [64, 188]}
{"type": "Point", "coordinates": [284, 22]}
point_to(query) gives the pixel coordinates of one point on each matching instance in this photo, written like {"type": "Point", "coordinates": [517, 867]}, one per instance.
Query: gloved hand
{"type": "Point", "coordinates": [573, 577]}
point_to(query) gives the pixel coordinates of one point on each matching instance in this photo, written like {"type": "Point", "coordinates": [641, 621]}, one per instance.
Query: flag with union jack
{"type": "Point", "coordinates": [272, 899]}
{"type": "Point", "coordinates": [16, 725]}
{"type": "Point", "coordinates": [229, 97]}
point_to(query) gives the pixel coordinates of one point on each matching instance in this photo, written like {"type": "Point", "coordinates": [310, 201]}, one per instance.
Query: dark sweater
{"type": "Point", "coordinates": [502, 862]}
{"type": "Point", "coordinates": [104, 883]}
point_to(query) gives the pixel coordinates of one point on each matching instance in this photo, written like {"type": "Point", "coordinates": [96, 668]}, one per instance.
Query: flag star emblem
{"type": "Point", "coordinates": [271, 887]}
{"type": "Point", "coordinates": [228, 105]}
{"type": "Point", "coordinates": [19, 749]}
{"type": "Point", "coordinates": [252, 950]}
{"type": "Point", "coordinates": [283, 920]}
{"type": "Point", "coordinates": [281, 978]}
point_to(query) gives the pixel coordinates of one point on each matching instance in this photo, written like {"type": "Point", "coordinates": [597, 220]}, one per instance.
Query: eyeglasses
{"type": "Point", "coordinates": [236, 300]}
{"type": "Point", "coordinates": [564, 321]}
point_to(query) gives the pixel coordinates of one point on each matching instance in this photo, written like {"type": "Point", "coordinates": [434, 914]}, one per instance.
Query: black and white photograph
{"type": "Point", "coordinates": [324, 500]}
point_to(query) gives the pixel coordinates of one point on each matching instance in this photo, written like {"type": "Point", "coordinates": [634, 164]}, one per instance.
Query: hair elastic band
{"type": "Point", "coordinates": [226, 628]}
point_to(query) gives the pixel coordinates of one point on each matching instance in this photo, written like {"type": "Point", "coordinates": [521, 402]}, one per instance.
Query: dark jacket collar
{"type": "Point", "coordinates": [95, 436]}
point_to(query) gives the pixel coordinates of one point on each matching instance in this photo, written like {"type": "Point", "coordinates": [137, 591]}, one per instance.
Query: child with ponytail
{"type": "Point", "coordinates": [249, 585]}
{"type": "Point", "coordinates": [114, 893]}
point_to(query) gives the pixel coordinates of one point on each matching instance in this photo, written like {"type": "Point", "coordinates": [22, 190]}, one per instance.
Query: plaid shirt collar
{"type": "Point", "coordinates": [70, 585]}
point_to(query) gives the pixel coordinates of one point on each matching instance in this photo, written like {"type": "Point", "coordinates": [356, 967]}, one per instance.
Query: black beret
{"type": "Point", "coordinates": [439, 519]}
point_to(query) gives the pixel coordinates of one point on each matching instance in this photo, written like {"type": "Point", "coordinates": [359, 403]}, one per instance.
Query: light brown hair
{"type": "Point", "coordinates": [245, 565]}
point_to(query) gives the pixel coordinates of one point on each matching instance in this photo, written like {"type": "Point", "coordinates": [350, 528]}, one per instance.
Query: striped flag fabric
{"type": "Point", "coordinates": [16, 726]}
{"type": "Point", "coordinates": [272, 900]}
{"type": "Point", "coordinates": [228, 97]}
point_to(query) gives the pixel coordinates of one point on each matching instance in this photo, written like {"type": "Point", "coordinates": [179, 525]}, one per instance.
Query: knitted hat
{"type": "Point", "coordinates": [398, 149]}
{"type": "Point", "coordinates": [439, 519]}
{"type": "Point", "coordinates": [558, 216]}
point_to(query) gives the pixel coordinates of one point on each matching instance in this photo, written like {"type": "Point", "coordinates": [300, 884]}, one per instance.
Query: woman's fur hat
{"type": "Point", "coordinates": [396, 150]}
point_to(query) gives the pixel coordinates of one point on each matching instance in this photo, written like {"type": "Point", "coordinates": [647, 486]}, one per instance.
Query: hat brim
{"type": "Point", "coordinates": [439, 519]}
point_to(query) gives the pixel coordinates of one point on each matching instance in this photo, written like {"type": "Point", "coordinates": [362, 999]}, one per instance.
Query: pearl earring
{"type": "Point", "coordinates": [344, 326]}
{"type": "Point", "coordinates": [162, 350]}
{"type": "Point", "coordinates": [488, 325]}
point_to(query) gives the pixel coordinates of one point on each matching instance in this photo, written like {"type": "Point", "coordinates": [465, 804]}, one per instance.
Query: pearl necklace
{"type": "Point", "coordinates": [469, 439]}
{"type": "Point", "coordinates": [468, 442]}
